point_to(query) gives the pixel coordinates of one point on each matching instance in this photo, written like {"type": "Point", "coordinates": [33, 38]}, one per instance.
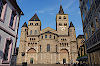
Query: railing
{"type": "Point", "coordinates": [93, 39]}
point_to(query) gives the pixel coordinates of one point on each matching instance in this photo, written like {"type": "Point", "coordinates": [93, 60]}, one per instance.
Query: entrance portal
{"type": "Point", "coordinates": [31, 61]}
{"type": "Point", "coordinates": [64, 61]}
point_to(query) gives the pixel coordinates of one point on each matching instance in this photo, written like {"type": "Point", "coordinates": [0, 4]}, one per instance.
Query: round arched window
{"type": "Point", "coordinates": [31, 32]}
{"type": "Point", "coordinates": [59, 17]}
{"type": "Point", "coordinates": [65, 24]}
{"type": "Point", "coordinates": [64, 17]}
{"type": "Point", "coordinates": [35, 32]}
{"type": "Point", "coordinates": [23, 53]}
{"type": "Point", "coordinates": [60, 24]}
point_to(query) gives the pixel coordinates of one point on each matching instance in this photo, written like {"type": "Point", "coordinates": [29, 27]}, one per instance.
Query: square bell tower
{"type": "Point", "coordinates": [62, 22]}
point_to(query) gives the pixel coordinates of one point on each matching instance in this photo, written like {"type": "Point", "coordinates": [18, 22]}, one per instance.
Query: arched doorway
{"type": "Point", "coordinates": [64, 56]}
{"type": "Point", "coordinates": [31, 50]}
{"type": "Point", "coordinates": [64, 61]}
{"type": "Point", "coordinates": [31, 61]}
{"type": "Point", "coordinates": [30, 56]}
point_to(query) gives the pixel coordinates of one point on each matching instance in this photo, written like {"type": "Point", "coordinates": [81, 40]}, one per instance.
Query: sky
{"type": "Point", "coordinates": [47, 10]}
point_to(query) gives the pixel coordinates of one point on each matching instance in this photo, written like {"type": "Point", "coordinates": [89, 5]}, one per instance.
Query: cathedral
{"type": "Point", "coordinates": [48, 46]}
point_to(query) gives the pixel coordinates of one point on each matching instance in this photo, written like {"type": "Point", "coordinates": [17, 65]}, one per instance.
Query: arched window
{"type": "Point", "coordinates": [25, 29]}
{"type": "Point", "coordinates": [36, 24]}
{"type": "Point", "coordinates": [30, 23]}
{"type": "Point", "coordinates": [59, 17]}
{"type": "Point", "coordinates": [54, 37]}
{"type": "Point", "coordinates": [50, 36]}
{"type": "Point", "coordinates": [67, 45]}
{"type": "Point", "coordinates": [60, 24]}
{"type": "Point", "coordinates": [48, 47]}
{"type": "Point", "coordinates": [41, 36]}
{"type": "Point", "coordinates": [31, 32]}
{"type": "Point", "coordinates": [31, 61]}
{"type": "Point", "coordinates": [65, 24]}
{"type": "Point", "coordinates": [35, 32]}
{"type": "Point", "coordinates": [40, 48]}
{"type": "Point", "coordinates": [60, 44]}
{"type": "Point", "coordinates": [64, 17]}
{"type": "Point", "coordinates": [23, 54]}
{"type": "Point", "coordinates": [56, 48]}
{"type": "Point", "coordinates": [45, 36]}
{"type": "Point", "coordinates": [63, 44]}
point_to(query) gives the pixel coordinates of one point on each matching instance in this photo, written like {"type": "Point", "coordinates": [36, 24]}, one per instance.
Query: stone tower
{"type": "Point", "coordinates": [22, 42]}
{"type": "Point", "coordinates": [72, 32]}
{"type": "Point", "coordinates": [62, 22]}
{"type": "Point", "coordinates": [34, 25]}
{"type": "Point", "coordinates": [73, 45]}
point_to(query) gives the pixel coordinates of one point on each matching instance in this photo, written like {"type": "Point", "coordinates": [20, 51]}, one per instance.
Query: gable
{"type": "Point", "coordinates": [48, 29]}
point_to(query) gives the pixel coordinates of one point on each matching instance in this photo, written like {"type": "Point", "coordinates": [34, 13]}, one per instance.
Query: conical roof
{"type": "Point", "coordinates": [71, 24]}
{"type": "Point", "coordinates": [24, 25]}
{"type": "Point", "coordinates": [61, 10]}
{"type": "Point", "coordinates": [35, 18]}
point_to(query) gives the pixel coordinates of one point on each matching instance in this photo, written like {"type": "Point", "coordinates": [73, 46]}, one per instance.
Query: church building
{"type": "Point", "coordinates": [48, 46]}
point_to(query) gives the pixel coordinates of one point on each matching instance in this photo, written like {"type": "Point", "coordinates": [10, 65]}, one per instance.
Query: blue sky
{"type": "Point", "coordinates": [47, 10]}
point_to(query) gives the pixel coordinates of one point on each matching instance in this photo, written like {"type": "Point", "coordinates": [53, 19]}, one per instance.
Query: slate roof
{"type": "Point", "coordinates": [71, 24]}
{"type": "Point", "coordinates": [35, 18]}
{"type": "Point", "coordinates": [61, 10]}
{"type": "Point", "coordinates": [24, 25]}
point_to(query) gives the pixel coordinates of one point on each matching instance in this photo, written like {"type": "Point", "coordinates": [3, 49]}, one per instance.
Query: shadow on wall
{"type": "Point", "coordinates": [1, 54]}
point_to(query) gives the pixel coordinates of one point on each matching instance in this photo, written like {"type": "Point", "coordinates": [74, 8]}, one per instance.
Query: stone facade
{"type": "Point", "coordinates": [90, 13]}
{"type": "Point", "coordinates": [48, 46]}
{"type": "Point", "coordinates": [81, 46]}
{"type": "Point", "coordinates": [9, 20]}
